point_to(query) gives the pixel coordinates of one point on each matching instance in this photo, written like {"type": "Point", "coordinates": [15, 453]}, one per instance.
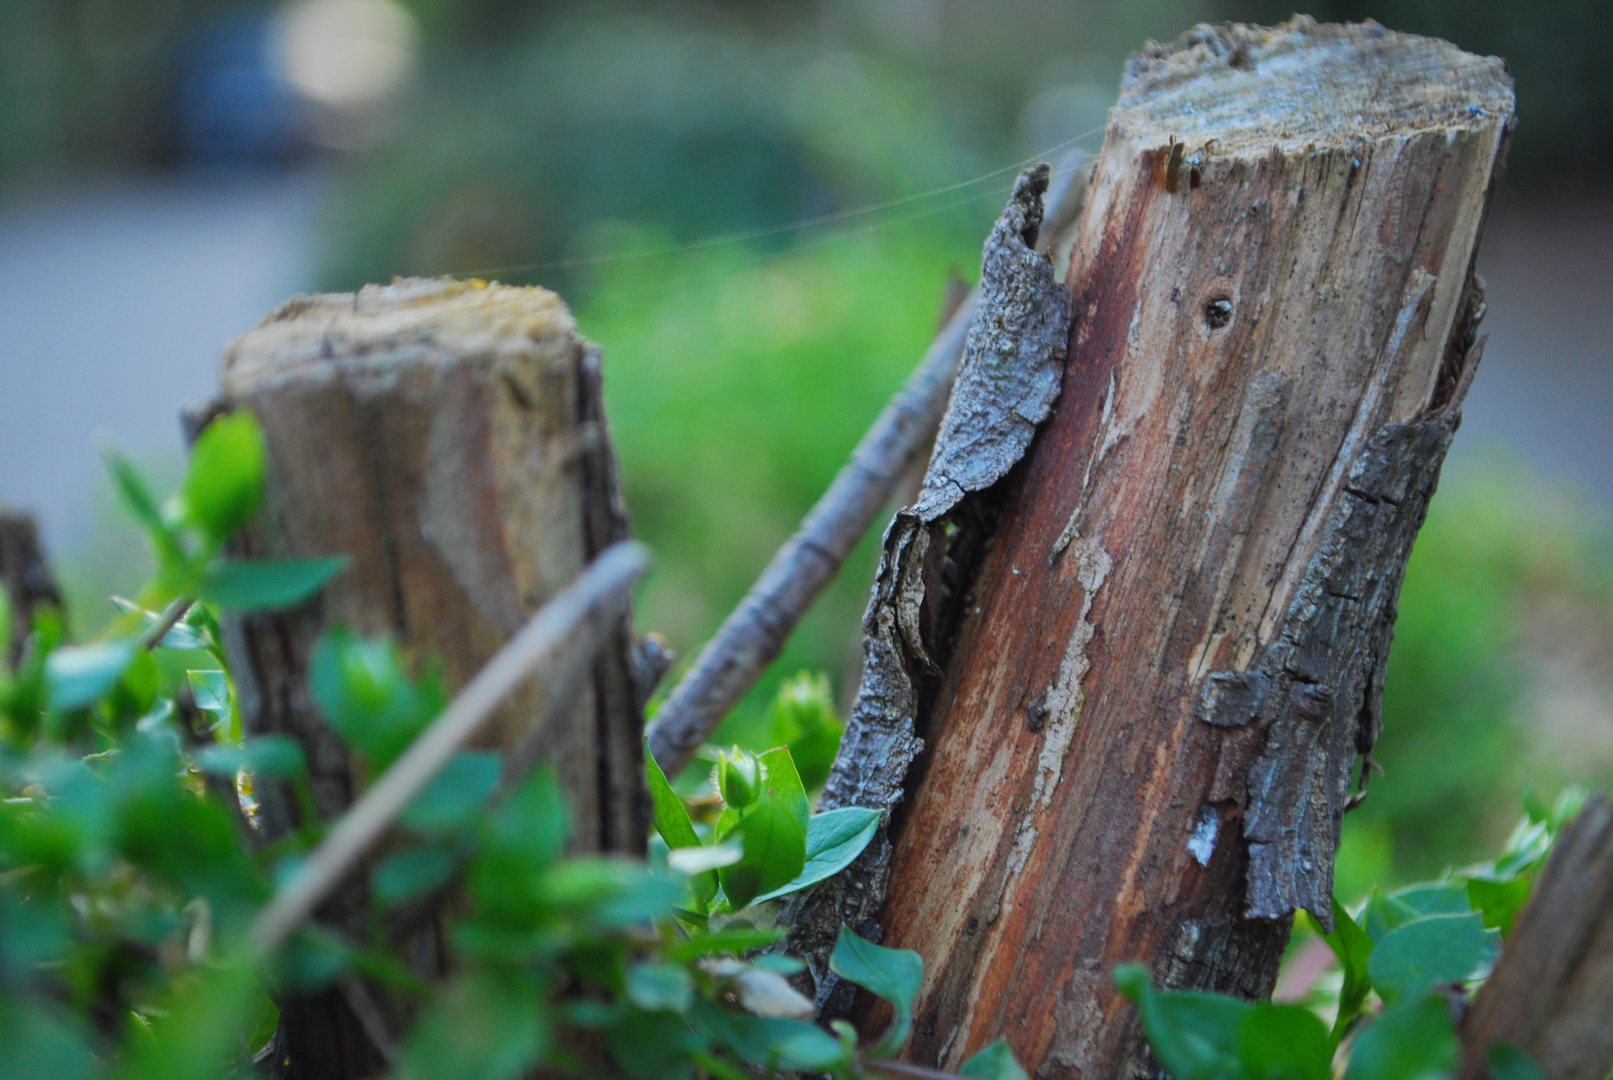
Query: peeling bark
{"type": "Point", "coordinates": [1010, 376]}
{"type": "Point", "coordinates": [1161, 656]}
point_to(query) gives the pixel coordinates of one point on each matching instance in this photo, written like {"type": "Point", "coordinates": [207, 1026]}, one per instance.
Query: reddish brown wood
{"type": "Point", "coordinates": [1552, 992]}
{"type": "Point", "coordinates": [1171, 651]}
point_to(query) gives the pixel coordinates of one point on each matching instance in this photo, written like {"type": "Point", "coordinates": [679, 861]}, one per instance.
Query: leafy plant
{"type": "Point", "coordinates": [1406, 958]}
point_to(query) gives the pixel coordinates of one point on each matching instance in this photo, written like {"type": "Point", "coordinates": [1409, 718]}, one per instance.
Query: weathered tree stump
{"type": "Point", "coordinates": [1551, 994]}
{"type": "Point", "coordinates": [449, 438]}
{"type": "Point", "coordinates": [1116, 698]}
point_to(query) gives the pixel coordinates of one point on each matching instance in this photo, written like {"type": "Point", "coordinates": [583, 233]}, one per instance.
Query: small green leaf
{"type": "Point", "coordinates": [1385, 913]}
{"type": "Point", "coordinates": [43, 1041]}
{"type": "Point", "coordinates": [1284, 1042]}
{"type": "Point", "coordinates": [1353, 947]}
{"type": "Point", "coordinates": [734, 940]}
{"type": "Point", "coordinates": [367, 697]}
{"type": "Point", "coordinates": [775, 851]}
{"type": "Point", "coordinates": [411, 872]}
{"type": "Point", "coordinates": [137, 498]}
{"type": "Point", "coordinates": [77, 676]}
{"type": "Point", "coordinates": [803, 717]}
{"type": "Point", "coordinates": [1435, 898]}
{"type": "Point", "coordinates": [210, 690]}
{"type": "Point", "coordinates": [275, 756]}
{"type": "Point", "coordinates": [1195, 1036]}
{"type": "Point", "coordinates": [671, 820]}
{"type": "Point", "coordinates": [995, 1062]}
{"type": "Point", "coordinates": [268, 584]}
{"type": "Point", "coordinates": [834, 840]}
{"type": "Point", "coordinates": [659, 987]}
{"type": "Point", "coordinates": [781, 781]}
{"type": "Point", "coordinates": [1412, 1040]}
{"type": "Point", "coordinates": [457, 795]}
{"type": "Point", "coordinates": [1429, 952]}
{"type": "Point", "coordinates": [224, 483]}
{"type": "Point", "coordinates": [1510, 1063]}
{"type": "Point", "coordinates": [1499, 902]}
{"type": "Point", "coordinates": [893, 974]}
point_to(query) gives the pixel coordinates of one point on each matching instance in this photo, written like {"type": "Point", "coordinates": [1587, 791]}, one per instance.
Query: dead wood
{"type": "Point", "coordinates": [1551, 993]}
{"type": "Point", "coordinates": [1115, 698]}
{"type": "Point", "coordinates": [449, 438]}
{"type": "Point", "coordinates": [754, 634]}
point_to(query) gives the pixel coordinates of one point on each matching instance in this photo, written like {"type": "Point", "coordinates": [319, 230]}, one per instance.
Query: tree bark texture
{"type": "Point", "coordinates": [1552, 992]}
{"type": "Point", "coordinates": [26, 577]}
{"type": "Point", "coordinates": [1141, 665]}
{"type": "Point", "coordinates": [449, 438]}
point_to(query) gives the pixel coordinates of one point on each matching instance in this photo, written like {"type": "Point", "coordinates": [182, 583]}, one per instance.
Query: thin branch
{"type": "Point", "coordinates": [600, 592]}
{"type": "Point", "coordinates": [166, 621]}
{"type": "Point", "coordinates": [753, 635]}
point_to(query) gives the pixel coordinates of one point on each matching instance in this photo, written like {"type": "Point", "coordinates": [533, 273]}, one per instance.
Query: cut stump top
{"type": "Point", "coordinates": [1247, 90]}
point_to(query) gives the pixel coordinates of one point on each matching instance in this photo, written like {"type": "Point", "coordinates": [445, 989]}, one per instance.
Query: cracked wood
{"type": "Point", "coordinates": [1171, 633]}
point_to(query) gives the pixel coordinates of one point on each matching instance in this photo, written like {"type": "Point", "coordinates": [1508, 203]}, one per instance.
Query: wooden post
{"type": "Point", "coordinates": [25, 575]}
{"type": "Point", "coordinates": [1115, 699]}
{"type": "Point", "coordinates": [1551, 994]}
{"type": "Point", "coordinates": [449, 438]}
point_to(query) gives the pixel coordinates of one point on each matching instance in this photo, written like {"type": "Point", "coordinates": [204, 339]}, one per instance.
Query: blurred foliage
{"type": "Point", "coordinates": [1457, 748]}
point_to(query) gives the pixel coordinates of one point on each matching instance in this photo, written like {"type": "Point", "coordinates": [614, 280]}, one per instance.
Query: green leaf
{"type": "Point", "coordinates": [659, 987]}
{"type": "Point", "coordinates": [1499, 902]}
{"type": "Point", "coordinates": [733, 940]}
{"type": "Point", "coordinates": [1195, 1036]}
{"type": "Point", "coordinates": [1510, 1063]}
{"type": "Point", "coordinates": [1433, 951]}
{"type": "Point", "coordinates": [267, 584]}
{"type": "Point", "coordinates": [457, 795]}
{"type": "Point", "coordinates": [277, 757]}
{"type": "Point", "coordinates": [802, 717]}
{"type": "Point", "coordinates": [411, 872]}
{"type": "Point", "coordinates": [77, 676]}
{"type": "Point", "coordinates": [1384, 913]}
{"type": "Point", "coordinates": [1353, 947]}
{"type": "Point", "coordinates": [224, 483]}
{"type": "Point", "coordinates": [651, 1045]}
{"type": "Point", "coordinates": [43, 1041]}
{"type": "Point", "coordinates": [775, 851]}
{"type": "Point", "coordinates": [198, 1034]}
{"type": "Point", "coordinates": [893, 974]}
{"type": "Point", "coordinates": [365, 694]}
{"type": "Point", "coordinates": [995, 1062]}
{"type": "Point", "coordinates": [781, 781]}
{"type": "Point", "coordinates": [834, 840]}
{"type": "Point", "coordinates": [1435, 898]}
{"type": "Point", "coordinates": [137, 498]}
{"type": "Point", "coordinates": [485, 1026]}
{"type": "Point", "coordinates": [210, 690]}
{"type": "Point", "coordinates": [1284, 1042]}
{"type": "Point", "coordinates": [671, 820]}
{"type": "Point", "coordinates": [1412, 1040]}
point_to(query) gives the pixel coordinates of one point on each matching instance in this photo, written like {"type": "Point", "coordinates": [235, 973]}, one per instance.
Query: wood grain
{"type": "Point", "coordinates": [449, 438]}
{"type": "Point", "coordinates": [1171, 653]}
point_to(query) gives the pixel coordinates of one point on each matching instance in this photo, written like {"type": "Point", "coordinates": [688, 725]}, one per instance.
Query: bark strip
{"type": "Point", "coordinates": [754, 634]}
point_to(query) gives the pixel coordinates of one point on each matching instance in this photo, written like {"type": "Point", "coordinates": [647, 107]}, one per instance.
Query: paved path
{"type": "Point", "coordinates": [114, 301]}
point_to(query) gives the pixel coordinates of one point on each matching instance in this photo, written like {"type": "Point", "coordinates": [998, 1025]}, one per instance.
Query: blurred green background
{"type": "Point", "coordinates": [726, 195]}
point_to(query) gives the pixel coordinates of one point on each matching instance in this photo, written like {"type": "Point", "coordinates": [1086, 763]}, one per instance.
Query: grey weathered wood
{"type": "Point", "coordinates": [448, 438]}
{"type": "Point", "coordinates": [754, 634]}
{"type": "Point", "coordinates": [1158, 641]}
{"type": "Point", "coordinates": [1551, 993]}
